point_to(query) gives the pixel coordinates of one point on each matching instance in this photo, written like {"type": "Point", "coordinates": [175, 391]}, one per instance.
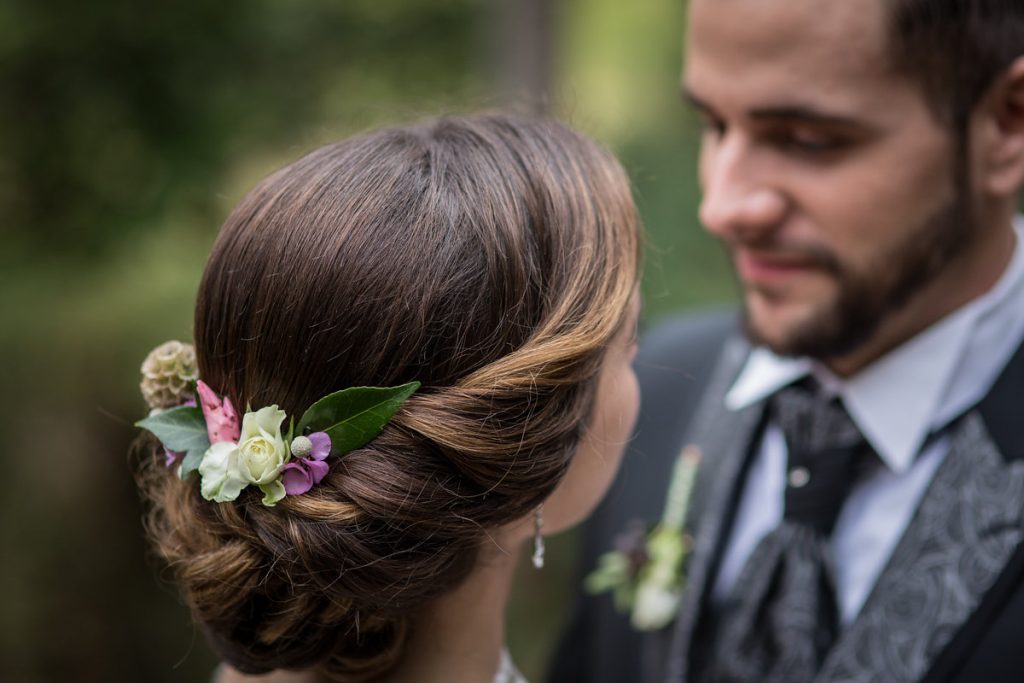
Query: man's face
{"type": "Point", "coordinates": [824, 172]}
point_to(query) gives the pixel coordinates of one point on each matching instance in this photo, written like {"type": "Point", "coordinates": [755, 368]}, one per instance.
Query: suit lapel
{"type": "Point", "coordinates": [965, 530]}
{"type": "Point", "coordinates": [723, 439]}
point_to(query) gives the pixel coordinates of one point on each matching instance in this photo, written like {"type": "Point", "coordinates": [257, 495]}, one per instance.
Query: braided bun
{"type": "Point", "coordinates": [490, 258]}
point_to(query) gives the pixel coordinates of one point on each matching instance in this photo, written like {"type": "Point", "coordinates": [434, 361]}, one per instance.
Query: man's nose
{"type": "Point", "coordinates": [739, 201]}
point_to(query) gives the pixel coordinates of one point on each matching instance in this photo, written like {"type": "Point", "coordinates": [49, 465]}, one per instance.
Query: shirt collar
{"type": "Point", "coordinates": [898, 400]}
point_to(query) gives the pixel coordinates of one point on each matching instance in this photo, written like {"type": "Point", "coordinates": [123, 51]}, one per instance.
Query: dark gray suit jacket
{"type": "Point", "coordinates": [949, 605]}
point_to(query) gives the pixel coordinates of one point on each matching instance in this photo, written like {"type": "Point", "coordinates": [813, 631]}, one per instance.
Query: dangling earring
{"type": "Point", "coordinates": [538, 540]}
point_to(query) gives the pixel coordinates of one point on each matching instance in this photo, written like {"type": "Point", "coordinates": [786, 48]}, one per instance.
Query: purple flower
{"type": "Point", "coordinates": [632, 543]}
{"type": "Point", "coordinates": [171, 458]}
{"type": "Point", "coordinates": [321, 445]}
{"type": "Point", "coordinates": [301, 474]}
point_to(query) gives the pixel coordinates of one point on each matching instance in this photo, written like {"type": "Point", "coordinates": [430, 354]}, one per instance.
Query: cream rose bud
{"type": "Point", "coordinates": [261, 448]}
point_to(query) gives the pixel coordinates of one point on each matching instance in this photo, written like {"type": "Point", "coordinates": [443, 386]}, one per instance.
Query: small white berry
{"type": "Point", "coordinates": [302, 447]}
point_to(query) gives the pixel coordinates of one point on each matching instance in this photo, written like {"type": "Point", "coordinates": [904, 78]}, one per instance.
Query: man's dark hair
{"type": "Point", "coordinates": [955, 49]}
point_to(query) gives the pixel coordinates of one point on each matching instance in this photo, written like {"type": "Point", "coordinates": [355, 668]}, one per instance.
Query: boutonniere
{"type": "Point", "coordinates": [646, 571]}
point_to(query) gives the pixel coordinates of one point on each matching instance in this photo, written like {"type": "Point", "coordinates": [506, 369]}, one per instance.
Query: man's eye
{"type": "Point", "coordinates": [809, 142]}
{"type": "Point", "coordinates": [712, 126]}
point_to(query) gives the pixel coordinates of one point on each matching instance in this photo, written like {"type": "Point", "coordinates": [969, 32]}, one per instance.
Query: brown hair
{"type": "Point", "coordinates": [492, 259]}
{"type": "Point", "coordinates": [955, 49]}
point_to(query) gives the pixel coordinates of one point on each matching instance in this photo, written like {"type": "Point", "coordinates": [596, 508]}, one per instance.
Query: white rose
{"type": "Point", "coordinates": [221, 479]}
{"type": "Point", "coordinates": [261, 449]}
{"type": "Point", "coordinates": [655, 606]}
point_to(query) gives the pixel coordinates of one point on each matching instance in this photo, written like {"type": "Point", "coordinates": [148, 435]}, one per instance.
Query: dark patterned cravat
{"type": "Point", "coordinates": [781, 617]}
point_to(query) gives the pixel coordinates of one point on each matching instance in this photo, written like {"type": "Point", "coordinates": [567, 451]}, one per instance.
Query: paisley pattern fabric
{"type": "Point", "coordinates": [967, 526]}
{"type": "Point", "coordinates": [782, 631]}
{"type": "Point", "coordinates": [782, 618]}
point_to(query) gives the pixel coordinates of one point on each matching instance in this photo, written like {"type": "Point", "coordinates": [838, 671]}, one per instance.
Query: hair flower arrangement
{"type": "Point", "coordinates": [646, 572]}
{"type": "Point", "coordinates": [204, 434]}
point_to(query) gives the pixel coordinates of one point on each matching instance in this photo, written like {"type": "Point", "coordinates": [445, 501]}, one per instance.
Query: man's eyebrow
{"type": "Point", "coordinates": [795, 113]}
{"type": "Point", "coordinates": [695, 102]}
{"type": "Point", "coordinates": [803, 114]}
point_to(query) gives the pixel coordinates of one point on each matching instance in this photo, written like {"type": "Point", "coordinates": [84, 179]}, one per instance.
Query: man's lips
{"type": "Point", "coordinates": [766, 268]}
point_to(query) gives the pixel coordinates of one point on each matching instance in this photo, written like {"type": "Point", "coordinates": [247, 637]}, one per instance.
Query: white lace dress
{"type": "Point", "coordinates": [507, 671]}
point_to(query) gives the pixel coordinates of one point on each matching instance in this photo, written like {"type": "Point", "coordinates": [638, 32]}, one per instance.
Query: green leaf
{"type": "Point", "coordinates": [180, 429]}
{"type": "Point", "coordinates": [272, 492]}
{"type": "Point", "coordinates": [353, 417]}
{"type": "Point", "coordinates": [624, 597]}
{"type": "Point", "coordinates": [612, 571]}
{"type": "Point", "coordinates": [190, 463]}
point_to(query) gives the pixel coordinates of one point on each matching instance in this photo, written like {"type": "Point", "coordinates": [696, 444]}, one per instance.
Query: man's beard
{"type": "Point", "coordinates": [866, 298]}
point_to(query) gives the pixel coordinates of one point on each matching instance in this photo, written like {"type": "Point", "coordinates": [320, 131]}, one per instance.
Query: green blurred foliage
{"type": "Point", "coordinates": [124, 111]}
{"type": "Point", "coordinates": [129, 132]}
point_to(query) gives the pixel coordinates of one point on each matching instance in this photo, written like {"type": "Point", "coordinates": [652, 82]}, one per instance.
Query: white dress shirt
{"type": "Point", "coordinates": [897, 402]}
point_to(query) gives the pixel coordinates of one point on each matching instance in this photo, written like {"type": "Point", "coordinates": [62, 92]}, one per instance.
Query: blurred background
{"type": "Point", "coordinates": [128, 131]}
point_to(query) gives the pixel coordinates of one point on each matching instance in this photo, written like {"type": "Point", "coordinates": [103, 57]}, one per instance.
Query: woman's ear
{"type": "Point", "coordinates": [999, 133]}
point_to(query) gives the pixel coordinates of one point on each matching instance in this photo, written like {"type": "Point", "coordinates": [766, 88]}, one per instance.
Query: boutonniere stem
{"type": "Point", "coordinates": [646, 571]}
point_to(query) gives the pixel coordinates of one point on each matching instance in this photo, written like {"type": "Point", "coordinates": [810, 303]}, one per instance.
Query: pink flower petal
{"type": "Point", "coordinates": [207, 396]}
{"type": "Point", "coordinates": [317, 469]}
{"type": "Point", "coordinates": [221, 419]}
{"type": "Point", "coordinates": [321, 445]}
{"type": "Point", "coordinates": [296, 479]}
{"type": "Point", "coordinates": [171, 457]}
{"type": "Point", "coordinates": [231, 417]}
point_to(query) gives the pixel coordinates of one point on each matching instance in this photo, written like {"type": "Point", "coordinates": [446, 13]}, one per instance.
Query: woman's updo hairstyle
{"type": "Point", "coordinates": [492, 259]}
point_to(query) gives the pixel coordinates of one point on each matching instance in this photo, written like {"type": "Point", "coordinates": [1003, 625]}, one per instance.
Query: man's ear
{"type": "Point", "coordinates": [1002, 133]}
